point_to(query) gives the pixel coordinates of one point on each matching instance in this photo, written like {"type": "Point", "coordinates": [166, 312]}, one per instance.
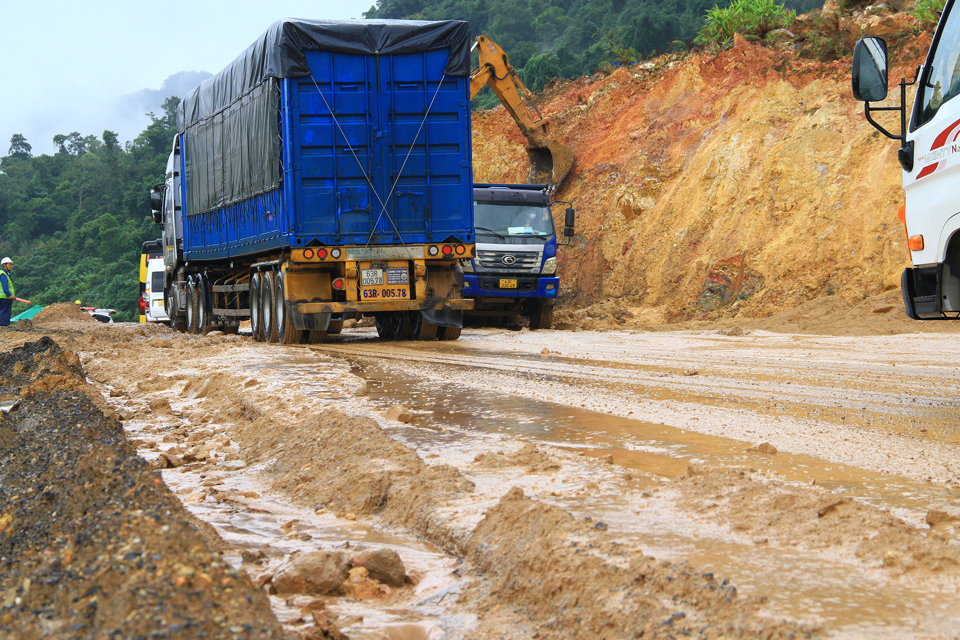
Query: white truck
{"type": "Point", "coordinates": [154, 309]}
{"type": "Point", "coordinates": [930, 158]}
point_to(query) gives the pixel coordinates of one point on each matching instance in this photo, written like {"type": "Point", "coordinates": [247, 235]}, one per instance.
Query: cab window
{"type": "Point", "coordinates": [942, 80]}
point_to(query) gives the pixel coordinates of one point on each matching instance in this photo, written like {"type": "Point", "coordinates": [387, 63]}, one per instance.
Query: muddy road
{"type": "Point", "coordinates": [563, 484]}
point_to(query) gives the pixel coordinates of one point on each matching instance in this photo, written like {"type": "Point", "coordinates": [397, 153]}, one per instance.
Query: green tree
{"type": "Point", "coordinates": [542, 68]}
{"type": "Point", "coordinates": [19, 147]}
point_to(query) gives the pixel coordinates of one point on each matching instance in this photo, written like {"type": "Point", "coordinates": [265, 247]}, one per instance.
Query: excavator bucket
{"type": "Point", "coordinates": [549, 164]}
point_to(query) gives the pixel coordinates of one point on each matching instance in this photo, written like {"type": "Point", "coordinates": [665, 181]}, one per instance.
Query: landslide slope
{"type": "Point", "coordinates": [735, 183]}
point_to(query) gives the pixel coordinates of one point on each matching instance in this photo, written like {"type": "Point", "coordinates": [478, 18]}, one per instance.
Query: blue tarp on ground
{"type": "Point", "coordinates": [26, 315]}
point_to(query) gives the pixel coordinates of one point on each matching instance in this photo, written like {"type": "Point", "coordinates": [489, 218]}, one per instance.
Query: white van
{"type": "Point", "coordinates": [153, 291]}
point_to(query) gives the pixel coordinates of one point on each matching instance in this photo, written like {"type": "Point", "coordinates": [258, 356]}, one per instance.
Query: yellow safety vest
{"type": "Point", "coordinates": [13, 292]}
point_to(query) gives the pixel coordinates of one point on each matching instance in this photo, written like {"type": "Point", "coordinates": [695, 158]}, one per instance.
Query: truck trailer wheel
{"type": "Point", "coordinates": [402, 325]}
{"type": "Point", "coordinates": [384, 324]}
{"type": "Point", "coordinates": [177, 321]}
{"type": "Point", "coordinates": [286, 334]}
{"type": "Point", "coordinates": [256, 322]}
{"type": "Point", "coordinates": [191, 306]}
{"type": "Point", "coordinates": [266, 307]}
{"type": "Point", "coordinates": [203, 311]}
{"type": "Point", "coordinates": [449, 333]}
{"type": "Point", "coordinates": [542, 316]}
{"type": "Point", "coordinates": [313, 336]}
{"type": "Point", "coordinates": [422, 330]}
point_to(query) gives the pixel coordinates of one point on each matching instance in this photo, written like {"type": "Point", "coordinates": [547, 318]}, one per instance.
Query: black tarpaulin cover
{"type": "Point", "coordinates": [278, 53]}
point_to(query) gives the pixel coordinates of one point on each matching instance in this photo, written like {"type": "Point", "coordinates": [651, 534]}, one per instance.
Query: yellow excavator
{"type": "Point", "coordinates": [550, 161]}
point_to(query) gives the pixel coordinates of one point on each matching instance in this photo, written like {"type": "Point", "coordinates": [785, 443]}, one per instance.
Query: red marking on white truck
{"type": "Point", "coordinates": [940, 150]}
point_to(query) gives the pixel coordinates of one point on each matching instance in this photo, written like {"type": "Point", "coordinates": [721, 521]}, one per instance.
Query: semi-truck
{"type": "Point", "coordinates": [514, 273]}
{"type": "Point", "coordinates": [325, 173]}
{"type": "Point", "coordinates": [930, 158]}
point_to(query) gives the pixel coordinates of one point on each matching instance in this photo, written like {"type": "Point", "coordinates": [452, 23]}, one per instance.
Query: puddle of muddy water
{"type": "Point", "coordinates": [816, 588]}
{"type": "Point", "coordinates": [635, 444]}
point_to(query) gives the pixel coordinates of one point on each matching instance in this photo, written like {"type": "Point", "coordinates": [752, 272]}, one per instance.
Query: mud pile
{"type": "Point", "coordinates": [641, 596]}
{"type": "Point", "coordinates": [734, 183]}
{"type": "Point", "coordinates": [92, 544]}
{"type": "Point", "coordinates": [60, 313]}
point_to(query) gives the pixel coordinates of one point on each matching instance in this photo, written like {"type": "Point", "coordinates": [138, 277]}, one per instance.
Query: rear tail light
{"type": "Point", "coordinates": [308, 254]}
{"type": "Point", "coordinates": [321, 253]}
{"type": "Point", "coordinates": [143, 305]}
{"type": "Point", "coordinates": [447, 250]}
{"type": "Point", "coordinates": [433, 250]}
{"type": "Point", "coordinates": [338, 284]}
{"type": "Point", "coordinates": [460, 249]}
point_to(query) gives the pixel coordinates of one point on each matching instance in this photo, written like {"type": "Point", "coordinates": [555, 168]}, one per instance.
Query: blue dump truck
{"type": "Point", "coordinates": [514, 272]}
{"type": "Point", "coordinates": [325, 173]}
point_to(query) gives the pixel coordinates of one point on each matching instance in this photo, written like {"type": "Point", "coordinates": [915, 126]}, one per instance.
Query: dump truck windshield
{"type": "Point", "coordinates": [512, 220]}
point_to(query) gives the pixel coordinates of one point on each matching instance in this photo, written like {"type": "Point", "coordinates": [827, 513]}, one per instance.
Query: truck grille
{"type": "Point", "coordinates": [524, 261]}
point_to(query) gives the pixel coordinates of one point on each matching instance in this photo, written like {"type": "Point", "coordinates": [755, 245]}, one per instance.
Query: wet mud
{"type": "Point", "coordinates": [553, 484]}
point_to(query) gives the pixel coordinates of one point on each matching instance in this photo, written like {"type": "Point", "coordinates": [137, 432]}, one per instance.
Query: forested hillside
{"type": "Point", "coordinates": [73, 222]}
{"type": "Point", "coordinates": [548, 39]}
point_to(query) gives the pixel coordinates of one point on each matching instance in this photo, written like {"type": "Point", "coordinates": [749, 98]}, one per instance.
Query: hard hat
{"type": "Point", "coordinates": [5, 261]}
{"type": "Point", "coordinates": [76, 302]}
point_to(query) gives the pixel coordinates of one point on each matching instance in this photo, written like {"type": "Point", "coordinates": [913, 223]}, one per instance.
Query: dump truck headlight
{"type": "Point", "coordinates": [549, 266]}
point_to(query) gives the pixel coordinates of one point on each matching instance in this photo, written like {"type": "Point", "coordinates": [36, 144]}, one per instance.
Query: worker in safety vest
{"type": "Point", "coordinates": [7, 292]}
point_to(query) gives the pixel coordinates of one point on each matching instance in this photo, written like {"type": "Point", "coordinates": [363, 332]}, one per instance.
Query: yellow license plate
{"type": "Point", "coordinates": [384, 293]}
{"type": "Point", "coordinates": [508, 283]}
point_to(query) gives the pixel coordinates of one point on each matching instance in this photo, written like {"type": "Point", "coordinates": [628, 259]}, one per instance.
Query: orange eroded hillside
{"type": "Point", "coordinates": [738, 183]}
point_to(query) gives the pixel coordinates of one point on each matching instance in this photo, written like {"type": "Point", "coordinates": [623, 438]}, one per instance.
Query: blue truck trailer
{"type": "Point", "coordinates": [514, 272]}
{"type": "Point", "coordinates": [325, 173]}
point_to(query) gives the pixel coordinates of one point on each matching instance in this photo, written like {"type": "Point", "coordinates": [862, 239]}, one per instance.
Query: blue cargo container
{"type": "Point", "coordinates": [326, 172]}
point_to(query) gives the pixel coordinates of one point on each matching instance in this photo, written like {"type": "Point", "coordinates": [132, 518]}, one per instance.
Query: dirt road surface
{"type": "Point", "coordinates": [553, 484]}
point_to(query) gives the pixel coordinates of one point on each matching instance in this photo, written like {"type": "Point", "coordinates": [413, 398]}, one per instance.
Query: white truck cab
{"type": "Point", "coordinates": [153, 291]}
{"type": "Point", "coordinates": [930, 158]}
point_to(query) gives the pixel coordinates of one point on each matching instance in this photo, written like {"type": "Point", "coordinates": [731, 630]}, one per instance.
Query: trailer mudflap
{"type": "Point", "coordinates": [444, 317]}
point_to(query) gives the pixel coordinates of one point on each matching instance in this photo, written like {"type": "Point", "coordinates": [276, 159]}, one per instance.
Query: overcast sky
{"type": "Point", "coordinates": [74, 65]}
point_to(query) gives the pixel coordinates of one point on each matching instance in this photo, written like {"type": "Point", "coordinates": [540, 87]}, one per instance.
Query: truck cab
{"type": "Point", "coordinates": [930, 158]}
{"type": "Point", "coordinates": [514, 273]}
{"type": "Point", "coordinates": [153, 291]}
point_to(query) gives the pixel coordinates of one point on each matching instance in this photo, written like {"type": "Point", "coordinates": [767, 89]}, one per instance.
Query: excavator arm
{"type": "Point", "coordinates": [550, 161]}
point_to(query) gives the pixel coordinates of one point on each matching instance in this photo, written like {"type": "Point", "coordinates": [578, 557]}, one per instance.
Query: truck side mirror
{"type": "Point", "coordinates": [870, 70]}
{"type": "Point", "coordinates": [568, 222]}
{"type": "Point", "coordinates": [156, 203]}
